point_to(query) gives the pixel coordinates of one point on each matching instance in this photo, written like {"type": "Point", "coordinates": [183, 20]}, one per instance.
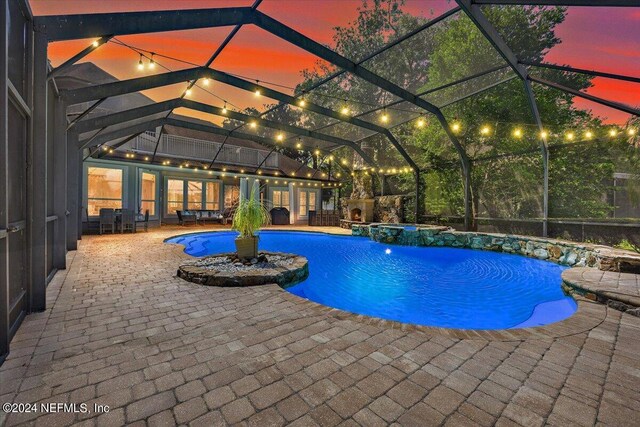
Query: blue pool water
{"type": "Point", "coordinates": [444, 287]}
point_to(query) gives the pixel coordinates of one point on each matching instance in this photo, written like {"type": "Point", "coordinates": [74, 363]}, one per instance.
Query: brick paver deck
{"type": "Point", "coordinates": [122, 331]}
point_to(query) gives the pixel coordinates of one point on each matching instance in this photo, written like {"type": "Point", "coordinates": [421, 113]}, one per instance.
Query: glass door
{"type": "Point", "coordinates": [306, 202]}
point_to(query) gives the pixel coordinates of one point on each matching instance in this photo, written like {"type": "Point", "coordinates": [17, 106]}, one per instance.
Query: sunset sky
{"type": "Point", "coordinates": [605, 39]}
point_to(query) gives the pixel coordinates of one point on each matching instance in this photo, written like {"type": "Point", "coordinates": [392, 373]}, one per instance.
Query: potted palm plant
{"type": "Point", "coordinates": [249, 216]}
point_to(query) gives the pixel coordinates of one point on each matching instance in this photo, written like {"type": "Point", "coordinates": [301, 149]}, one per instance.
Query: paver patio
{"type": "Point", "coordinates": [122, 330]}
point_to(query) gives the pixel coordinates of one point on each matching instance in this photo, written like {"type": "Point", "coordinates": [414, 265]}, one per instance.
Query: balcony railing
{"type": "Point", "coordinates": [182, 147]}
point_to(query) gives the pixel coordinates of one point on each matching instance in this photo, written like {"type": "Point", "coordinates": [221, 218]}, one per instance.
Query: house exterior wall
{"type": "Point", "coordinates": [131, 191]}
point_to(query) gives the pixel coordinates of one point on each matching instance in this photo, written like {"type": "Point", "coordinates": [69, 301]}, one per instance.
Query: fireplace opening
{"type": "Point", "coordinates": [356, 215]}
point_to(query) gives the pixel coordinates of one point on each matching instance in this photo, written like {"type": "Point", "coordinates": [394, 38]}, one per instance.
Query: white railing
{"type": "Point", "coordinates": [197, 149]}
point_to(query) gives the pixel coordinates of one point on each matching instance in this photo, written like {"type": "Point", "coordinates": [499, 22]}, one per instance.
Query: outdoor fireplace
{"type": "Point", "coordinates": [360, 210]}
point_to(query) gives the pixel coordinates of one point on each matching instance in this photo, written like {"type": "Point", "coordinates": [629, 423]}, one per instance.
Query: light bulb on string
{"type": "Point", "coordinates": [384, 118]}
{"type": "Point", "coordinates": [224, 108]}
{"type": "Point", "coordinates": [280, 137]}
{"type": "Point", "coordinates": [420, 123]}
{"type": "Point", "coordinates": [302, 103]}
{"type": "Point", "coordinates": [95, 43]}
{"type": "Point", "coordinates": [517, 133]}
{"type": "Point", "coordinates": [570, 136]}
{"type": "Point", "coordinates": [485, 130]}
{"type": "Point", "coordinates": [588, 134]}
{"type": "Point", "coordinates": [455, 126]}
{"type": "Point", "coordinates": [544, 134]}
{"type": "Point", "coordinates": [140, 64]}
{"type": "Point", "coordinates": [152, 63]}
{"type": "Point", "coordinates": [345, 109]}
{"type": "Point", "coordinates": [613, 132]}
{"type": "Point", "coordinates": [205, 81]}
{"type": "Point", "coordinates": [631, 131]}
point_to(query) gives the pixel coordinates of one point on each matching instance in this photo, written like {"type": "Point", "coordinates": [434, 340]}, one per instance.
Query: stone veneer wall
{"type": "Point", "coordinates": [389, 209]}
{"type": "Point", "coordinates": [561, 252]}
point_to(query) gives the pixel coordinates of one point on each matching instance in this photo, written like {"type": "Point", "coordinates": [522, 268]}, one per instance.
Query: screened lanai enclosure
{"type": "Point", "coordinates": [459, 114]}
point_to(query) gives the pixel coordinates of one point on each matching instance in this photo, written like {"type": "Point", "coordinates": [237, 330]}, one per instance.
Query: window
{"type": "Point", "coordinates": [281, 199]}
{"type": "Point", "coordinates": [231, 195]}
{"type": "Point", "coordinates": [307, 202]}
{"type": "Point", "coordinates": [175, 195]}
{"type": "Point", "coordinates": [212, 201]}
{"type": "Point", "coordinates": [194, 194]}
{"type": "Point", "coordinates": [148, 193]}
{"type": "Point", "coordinates": [104, 189]}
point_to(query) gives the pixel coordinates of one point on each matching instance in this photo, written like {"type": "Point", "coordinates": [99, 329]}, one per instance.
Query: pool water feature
{"type": "Point", "coordinates": [432, 286]}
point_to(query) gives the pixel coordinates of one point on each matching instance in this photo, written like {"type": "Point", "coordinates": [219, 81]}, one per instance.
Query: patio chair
{"type": "Point", "coordinates": [107, 220]}
{"type": "Point", "coordinates": [128, 221]}
{"type": "Point", "coordinates": [144, 222]}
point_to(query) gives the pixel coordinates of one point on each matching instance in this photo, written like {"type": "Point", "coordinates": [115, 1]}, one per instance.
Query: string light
{"type": "Point", "coordinates": [344, 161]}
{"type": "Point", "coordinates": [543, 134]}
{"type": "Point", "coordinates": [253, 124]}
{"type": "Point", "coordinates": [280, 137]}
{"type": "Point", "coordinates": [613, 132]}
{"type": "Point", "coordinates": [345, 110]}
{"type": "Point", "coordinates": [420, 123]}
{"type": "Point", "coordinates": [517, 133]}
{"type": "Point", "coordinates": [298, 145]}
{"type": "Point", "coordinates": [485, 130]}
{"type": "Point", "coordinates": [455, 127]}
{"type": "Point", "coordinates": [631, 131]}
{"type": "Point", "coordinates": [385, 117]}
{"type": "Point", "coordinates": [188, 92]}
{"type": "Point", "coordinates": [317, 152]}
{"type": "Point", "coordinates": [570, 136]}
{"type": "Point", "coordinates": [588, 134]}
{"type": "Point", "coordinates": [96, 43]}
{"type": "Point", "coordinates": [302, 103]}
{"type": "Point", "coordinates": [146, 159]}
{"type": "Point", "coordinates": [205, 81]}
{"type": "Point", "coordinates": [152, 63]}
{"type": "Point", "coordinates": [224, 109]}
{"type": "Point", "coordinates": [140, 64]}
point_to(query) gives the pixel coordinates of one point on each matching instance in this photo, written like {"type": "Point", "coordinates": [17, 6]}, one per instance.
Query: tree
{"type": "Point", "coordinates": [508, 182]}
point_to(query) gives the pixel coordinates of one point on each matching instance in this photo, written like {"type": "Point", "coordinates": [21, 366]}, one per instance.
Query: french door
{"type": "Point", "coordinates": [306, 202]}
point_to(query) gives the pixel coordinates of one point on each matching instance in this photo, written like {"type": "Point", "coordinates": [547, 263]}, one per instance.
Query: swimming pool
{"type": "Point", "coordinates": [432, 286]}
